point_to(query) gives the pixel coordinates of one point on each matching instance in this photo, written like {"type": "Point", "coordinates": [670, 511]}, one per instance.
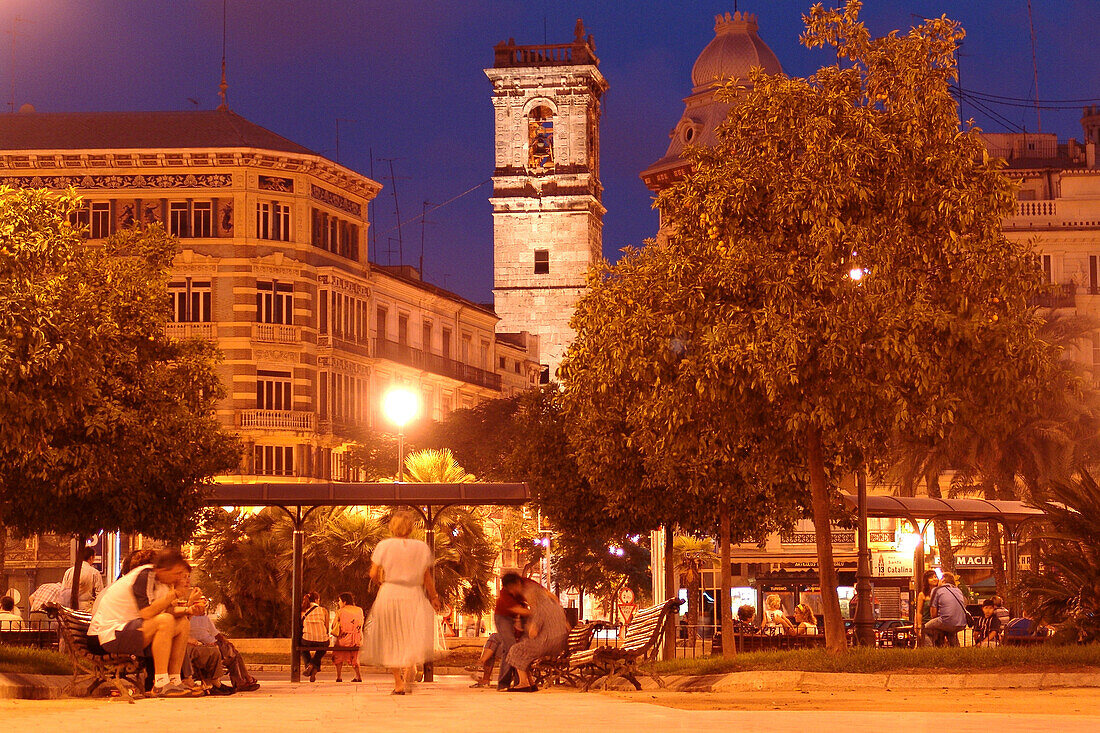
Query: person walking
{"type": "Point", "coordinates": [314, 639]}
{"type": "Point", "coordinates": [347, 627]}
{"type": "Point", "coordinates": [545, 629]}
{"type": "Point", "coordinates": [401, 629]}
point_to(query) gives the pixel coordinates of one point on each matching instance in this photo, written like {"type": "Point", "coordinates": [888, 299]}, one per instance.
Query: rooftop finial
{"type": "Point", "coordinates": [578, 31]}
{"type": "Point", "coordinates": [224, 85]}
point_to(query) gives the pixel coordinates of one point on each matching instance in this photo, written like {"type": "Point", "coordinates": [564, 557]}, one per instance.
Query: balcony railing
{"type": "Point", "coordinates": [207, 331]}
{"type": "Point", "coordinates": [436, 364]}
{"type": "Point", "coordinates": [325, 341]}
{"type": "Point", "coordinates": [276, 419]}
{"type": "Point", "coordinates": [276, 333]}
{"type": "Point", "coordinates": [1061, 295]}
{"type": "Point", "coordinates": [1036, 208]}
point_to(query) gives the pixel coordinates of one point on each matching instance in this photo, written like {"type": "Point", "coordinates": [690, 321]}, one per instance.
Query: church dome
{"type": "Point", "coordinates": [734, 50]}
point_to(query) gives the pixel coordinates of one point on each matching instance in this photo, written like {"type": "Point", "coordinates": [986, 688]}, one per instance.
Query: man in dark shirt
{"type": "Point", "coordinates": [987, 630]}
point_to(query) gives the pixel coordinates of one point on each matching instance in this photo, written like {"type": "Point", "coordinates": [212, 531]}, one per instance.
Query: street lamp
{"type": "Point", "coordinates": [400, 406]}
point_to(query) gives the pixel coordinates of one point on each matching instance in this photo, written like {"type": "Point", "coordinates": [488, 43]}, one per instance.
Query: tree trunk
{"type": "Point", "coordinates": [74, 597]}
{"type": "Point", "coordinates": [669, 650]}
{"type": "Point", "coordinates": [726, 591]}
{"type": "Point", "coordinates": [835, 640]}
{"type": "Point", "coordinates": [3, 556]}
{"type": "Point", "coordinates": [694, 588]}
{"type": "Point", "coordinates": [989, 492]}
{"type": "Point", "coordinates": [943, 534]}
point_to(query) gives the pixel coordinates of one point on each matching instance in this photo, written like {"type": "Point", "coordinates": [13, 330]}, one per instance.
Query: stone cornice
{"type": "Point", "coordinates": [60, 163]}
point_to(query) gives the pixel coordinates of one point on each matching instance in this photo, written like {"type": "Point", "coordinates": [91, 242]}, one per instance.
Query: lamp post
{"type": "Point", "coordinates": [401, 406]}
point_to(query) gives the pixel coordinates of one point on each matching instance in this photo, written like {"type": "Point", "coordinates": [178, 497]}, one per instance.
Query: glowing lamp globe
{"type": "Point", "coordinates": [400, 406]}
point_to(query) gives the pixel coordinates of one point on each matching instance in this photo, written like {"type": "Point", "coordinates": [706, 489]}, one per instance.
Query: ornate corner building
{"type": "Point", "coordinates": [547, 210]}
{"type": "Point", "coordinates": [273, 268]}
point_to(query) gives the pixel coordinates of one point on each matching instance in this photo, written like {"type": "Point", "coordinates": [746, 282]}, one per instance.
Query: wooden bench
{"type": "Point", "coordinates": [561, 669]}
{"type": "Point", "coordinates": [643, 638]}
{"type": "Point", "coordinates": [92, 664]}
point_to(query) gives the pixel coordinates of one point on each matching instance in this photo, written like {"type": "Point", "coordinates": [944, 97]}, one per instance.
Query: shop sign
{"type": "Point", "coordinates": [984, 561]}
{"type": "Point", "coordinates": [891, 565]}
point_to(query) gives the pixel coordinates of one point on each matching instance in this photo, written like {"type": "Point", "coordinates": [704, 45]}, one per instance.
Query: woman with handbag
{"type": "Point", "coordinates": [347, 627]}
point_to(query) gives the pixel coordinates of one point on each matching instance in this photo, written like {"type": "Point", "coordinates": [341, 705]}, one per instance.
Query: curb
{"type": "Point", "coordinates": [14, 686]}
{"type": "Point", "coordinates": [787, 680]}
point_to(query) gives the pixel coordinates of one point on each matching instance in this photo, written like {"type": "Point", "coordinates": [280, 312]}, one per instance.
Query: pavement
{"type": "Point", "coordinates": [450, 705]}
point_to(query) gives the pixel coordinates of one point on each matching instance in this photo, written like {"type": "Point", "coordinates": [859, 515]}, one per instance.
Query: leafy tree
{"type": "Point", "coordinates": [851, 228]}
{"type": "Point", "coordinates": [106, 422]}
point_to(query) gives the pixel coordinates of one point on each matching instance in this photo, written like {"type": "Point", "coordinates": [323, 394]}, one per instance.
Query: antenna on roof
{"type": "Point", "coordinates": [14, 33]}
{"type": "Point", "coordinates": [223, 86]}
{"type": "Point", "coordinates": [1035, 69]}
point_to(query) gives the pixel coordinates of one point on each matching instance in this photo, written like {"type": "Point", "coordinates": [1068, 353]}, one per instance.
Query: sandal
{"type": "Point", "coordinates": [397, 692]}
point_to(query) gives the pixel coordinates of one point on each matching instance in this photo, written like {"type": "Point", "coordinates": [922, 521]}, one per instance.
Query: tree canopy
{"type": "Point", "coordinates": [836, 277]}
{"type": "Point", "coordinates": [107, 423]}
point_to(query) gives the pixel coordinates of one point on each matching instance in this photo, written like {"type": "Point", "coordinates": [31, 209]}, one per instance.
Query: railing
{"type": "Point", "coordinates": [326, 341]}
{"type": "Point", "coordinates": [276, 419]}
{"type": "Point", "coordinates": [1058, 295]}
{"type": "Point", "coordinates": [187, 330]}
{"type": "Point", "coordinates": [41, 634]}
{"type": "Point", "coordinates": [1036, 208]}
{"type": "Point", "coordinates": [404, 354]}
{"type": "Point", "coordinates": [276, 333]}
{"type": "Point", "coordinates": [509, 55]}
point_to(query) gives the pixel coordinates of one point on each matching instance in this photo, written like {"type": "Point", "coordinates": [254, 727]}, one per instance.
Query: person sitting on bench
{"type": "Point", "coordinates": [127, 622]}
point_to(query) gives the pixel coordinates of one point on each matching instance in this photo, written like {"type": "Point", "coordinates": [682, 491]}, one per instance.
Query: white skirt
{"type": "Point", "coordinates": [400, 631]}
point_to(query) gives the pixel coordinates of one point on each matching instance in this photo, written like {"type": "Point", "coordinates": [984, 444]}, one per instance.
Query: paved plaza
{"type": "Point", "coordinates": [449, 705]}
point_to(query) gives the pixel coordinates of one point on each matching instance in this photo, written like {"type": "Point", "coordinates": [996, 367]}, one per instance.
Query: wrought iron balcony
{"type": "Point", "coordinates": [326, 341]}
{"type": "Point", "coordinates": [276, 419]}
{"type": "Point", "coordinates": [1058, 295]}
{"type": "Point", "coordinates": [435, 363]}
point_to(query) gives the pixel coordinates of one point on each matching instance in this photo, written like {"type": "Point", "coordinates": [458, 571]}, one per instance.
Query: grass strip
{"type": "Point", "coordinates": [27, 660]}
{"type": "Point", "coordinates": [1045, 658]}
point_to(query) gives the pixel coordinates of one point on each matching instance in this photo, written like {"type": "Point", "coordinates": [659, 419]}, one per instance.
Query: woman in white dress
{"type": "Point", "coordinates": [401, 628]}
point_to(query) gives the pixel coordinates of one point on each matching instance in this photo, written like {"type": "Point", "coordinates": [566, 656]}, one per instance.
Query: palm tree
{"type": "Point", "coordinates": [690, 555]}
{"type": "Point", "coordinates": [1066, 588]}
{"type": "Point", "coordinates": [464, 553]}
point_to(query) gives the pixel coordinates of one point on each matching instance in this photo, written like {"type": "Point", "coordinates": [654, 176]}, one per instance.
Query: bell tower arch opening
{"type": "Point", "coordinates": [547, 208]}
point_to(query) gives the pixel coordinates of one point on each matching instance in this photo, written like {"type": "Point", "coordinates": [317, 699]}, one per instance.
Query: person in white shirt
{"type": "Point", "coordinates": [90, 585]}
{"type": "Point", "coordinates": [10, 620]}
{"type": "Point", "coordinates": [139, 614]}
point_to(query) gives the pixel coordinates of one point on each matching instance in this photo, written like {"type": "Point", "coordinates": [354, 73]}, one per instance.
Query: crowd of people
{"type": "Point", "coordinates": [941, 614]}
{"type": "Point", "coordinates": [152, 612]}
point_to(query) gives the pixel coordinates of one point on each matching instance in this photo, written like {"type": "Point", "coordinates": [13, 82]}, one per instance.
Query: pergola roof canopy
{"type": "Point", "coordinates": [368, 494]}
{"type": "Point", "coordinates": [926, 507]}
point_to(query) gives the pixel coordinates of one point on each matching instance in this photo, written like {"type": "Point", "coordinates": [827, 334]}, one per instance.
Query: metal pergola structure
{"type": "Point", "coordinates": [299, 500]}
{"type": "Point", "coordinates": [920, 511]}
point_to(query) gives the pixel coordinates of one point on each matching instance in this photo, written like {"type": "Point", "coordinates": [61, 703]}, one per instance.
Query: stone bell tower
{"type": "Point", "coordinates": [547, 215]}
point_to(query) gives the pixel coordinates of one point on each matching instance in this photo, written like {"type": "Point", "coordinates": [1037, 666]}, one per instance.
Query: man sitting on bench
{"type": "Point", "coordinates": [128, 621]}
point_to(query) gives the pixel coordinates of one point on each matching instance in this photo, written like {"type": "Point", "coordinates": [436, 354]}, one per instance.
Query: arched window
{"type": "Point", "coordinates": [540, 139]}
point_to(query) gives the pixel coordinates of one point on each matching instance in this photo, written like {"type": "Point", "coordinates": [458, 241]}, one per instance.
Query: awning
{"type": "Point", "coordinates": [925, 507]}
{"type": "Point", "coordinates": [368, 494]}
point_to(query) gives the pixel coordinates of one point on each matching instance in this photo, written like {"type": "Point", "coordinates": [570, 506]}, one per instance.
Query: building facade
{"type": "Point", "coordinates": [273, 268]}
{"type": "Point", "coordinates": [547, 210]}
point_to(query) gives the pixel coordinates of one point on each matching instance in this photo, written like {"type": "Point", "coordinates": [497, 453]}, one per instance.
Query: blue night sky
{"type": "Point", "coordinates": [405, 80]}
